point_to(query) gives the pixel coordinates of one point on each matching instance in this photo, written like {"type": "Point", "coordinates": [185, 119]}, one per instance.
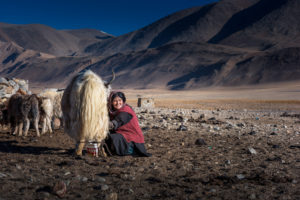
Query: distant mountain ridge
{"type": "Point", "coordinates": [226, 43]}
{"type": "Point", "coordinates": [48, 40]}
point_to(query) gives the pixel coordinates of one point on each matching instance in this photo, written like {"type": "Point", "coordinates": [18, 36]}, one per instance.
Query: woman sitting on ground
{"type": "Point", "coordinates": [126, 136]}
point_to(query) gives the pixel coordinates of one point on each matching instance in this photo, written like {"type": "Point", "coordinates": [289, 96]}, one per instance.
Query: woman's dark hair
{"type": "Point", "coordinates": [119, 94]}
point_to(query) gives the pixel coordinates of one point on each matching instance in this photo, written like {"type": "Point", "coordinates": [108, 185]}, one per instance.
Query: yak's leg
{"type": "Point", "coordinates": [36, 126]}
{"type": "Point", "coordinates": [27, 121]}
{"type": "Point", "coordinates": [79, 148]}
{"type": "Point", "coordinates": [44, 126]}
{"type": "Point", "coordinates": [21, 128]}
{"type": "Point", "coordinates": [101, 149]}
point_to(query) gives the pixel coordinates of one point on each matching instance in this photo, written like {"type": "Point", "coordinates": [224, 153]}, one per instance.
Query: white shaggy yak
{"type": "Point", "coordinates": [84, 107]}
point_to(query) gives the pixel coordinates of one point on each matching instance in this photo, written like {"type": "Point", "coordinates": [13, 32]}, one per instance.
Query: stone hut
{"type": "Point", "coordinates": [145, 102]}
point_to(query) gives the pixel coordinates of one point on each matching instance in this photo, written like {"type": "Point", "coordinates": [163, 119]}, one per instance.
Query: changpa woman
{"type": "Point", "coordinates": [126, 136]}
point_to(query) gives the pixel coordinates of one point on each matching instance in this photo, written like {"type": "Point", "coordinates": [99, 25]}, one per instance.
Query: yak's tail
{"type": "Point", "coordinates": [93, 108]}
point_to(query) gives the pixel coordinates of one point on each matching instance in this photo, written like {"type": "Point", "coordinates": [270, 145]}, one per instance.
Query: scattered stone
{"type": "Point", "coordinates": [100, 179]}
{"type": "Point", "coordinates": [229, 126]}
{"type": "Point", "coordinates": [145, 111]}
{"type": "Point", "coordinates": [67, 173]}
{"type": "Point", "coordinates": [111, 196]}
{"type": "Point", "coordinates": [130, 191]}
{"type": "Point", "coordinates": [155, 127]}
{"type": "Point", "coordinates": [104, 187]}
{"type": "Point", "coordinates": [252, 151]}
{"type": "Point", "coordinates": [146, 128]}
{"type": "Point", "coordinates": [294, 181]}
{"type": "Point", "coordinates": [252, 133]}
{"type": "Point", "coordinates": [200, 142]}
{"type": "Point", "coordinates": [79, 178]}
{"type": "Point", "coordinates": [241, 125]}
{"type": "Point", "coordinates": [10, 86]}
{"type": "Point", "coordinates": [185, 120]}
{"type": "Point", "coordinates": [2, 175]}
{"type": "Point", "coordinates": [252, 196]}
{"type": "Point", "coordinates": [182, 128]}
{"type": "Point", "coordinates": [60, 189]}
{"type": "Point", "coordinates": [213, 190]}
{"type": "Point", "coordinates": [84, 179]}
{"type": "Point", "coordinates": [162, 121]}
{"type": "Point", "coordinates": [216, 128]}
{"type": "Point", "coordinates": [141, 169]}
{"type": "Point", "coordinates": [240, 176]}
{"type": "Point", "coordinates": [202, 116]}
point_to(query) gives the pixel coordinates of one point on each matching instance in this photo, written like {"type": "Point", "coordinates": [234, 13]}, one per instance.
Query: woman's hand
{"type": "Point", "coordinates": [111, 125]}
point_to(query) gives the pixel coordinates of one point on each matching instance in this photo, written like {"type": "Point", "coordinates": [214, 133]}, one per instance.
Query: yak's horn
{"type": "Point", "coordinates": [112, 79]}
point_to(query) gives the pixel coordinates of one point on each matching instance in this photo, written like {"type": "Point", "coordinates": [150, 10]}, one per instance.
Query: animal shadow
{"type": "Point", "coordinates": [13, 147]}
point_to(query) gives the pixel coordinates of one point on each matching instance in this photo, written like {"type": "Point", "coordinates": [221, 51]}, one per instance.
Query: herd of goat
{"type": "Point", "coordinates": [76, 105]}
{"type": "Point", "coordinates": [21, 108]}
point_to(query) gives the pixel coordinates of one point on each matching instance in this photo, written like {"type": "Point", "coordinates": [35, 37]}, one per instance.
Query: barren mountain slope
{"type": "Point", "coordinates": [227, 43]}
{"type": "Point", "coordinates": [48, 40]}
{"type": "Point", "coordinates": [267, 24]}
{"type": "Point", "coordinates": [197, 24]}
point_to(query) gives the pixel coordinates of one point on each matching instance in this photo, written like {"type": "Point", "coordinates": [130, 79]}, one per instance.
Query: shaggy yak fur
{"type": "Point", "coordinates": [84, 107]}
{"type": "Point", "coordinates": [21, 108]}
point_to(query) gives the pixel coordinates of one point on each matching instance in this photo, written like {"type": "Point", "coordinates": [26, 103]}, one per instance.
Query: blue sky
{"type": "Point", "coordinates": [116, 17]}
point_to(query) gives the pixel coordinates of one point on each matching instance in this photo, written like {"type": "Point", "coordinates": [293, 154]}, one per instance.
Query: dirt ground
{"type": "Point", "coordinates": [198, 163]}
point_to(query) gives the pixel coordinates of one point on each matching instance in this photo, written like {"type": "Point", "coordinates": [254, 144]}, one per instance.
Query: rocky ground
{"type": "Point", "coordinates": [219, 153]}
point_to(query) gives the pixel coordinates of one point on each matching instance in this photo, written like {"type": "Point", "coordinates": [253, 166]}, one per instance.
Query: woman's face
{"type": "Point", "coordinates": [117, 103]}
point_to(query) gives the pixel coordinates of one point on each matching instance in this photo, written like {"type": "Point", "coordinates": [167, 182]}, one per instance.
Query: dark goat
{"type": "Point", "coordinates": [21, 108]}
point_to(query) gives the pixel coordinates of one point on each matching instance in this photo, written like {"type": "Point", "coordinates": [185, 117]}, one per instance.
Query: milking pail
{"type": "Point", "coordinates": [92, 149]}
